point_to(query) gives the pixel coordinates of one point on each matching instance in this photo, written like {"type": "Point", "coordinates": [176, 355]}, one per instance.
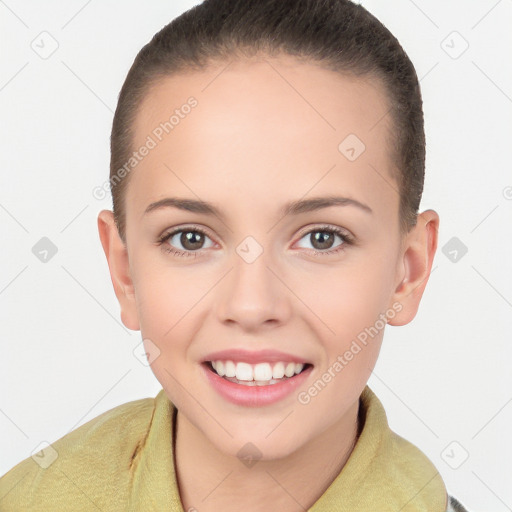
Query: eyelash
{"type": "Point", "coordinates": [345, 237]}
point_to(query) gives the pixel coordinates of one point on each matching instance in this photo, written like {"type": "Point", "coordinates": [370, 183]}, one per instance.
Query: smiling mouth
{"type": "Point", "coordinates": [261, 374]}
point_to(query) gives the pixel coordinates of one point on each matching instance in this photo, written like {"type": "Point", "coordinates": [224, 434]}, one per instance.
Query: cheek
{"type": "Point", "coordinates": [347, 298]}
{"type": "Point", "coordinates": [164, 291]}
{"type": "Point", "coordinates": [347, 304]}
{"type": "Point", "coordinates": [165, 300]}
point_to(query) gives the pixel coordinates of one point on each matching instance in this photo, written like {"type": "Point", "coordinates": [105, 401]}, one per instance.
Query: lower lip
{"type": "Point", "coordinates": [254, 396]}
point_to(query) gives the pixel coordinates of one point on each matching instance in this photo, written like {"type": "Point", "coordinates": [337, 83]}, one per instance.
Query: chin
{"type": "Point", "coordinates": [259, 447]}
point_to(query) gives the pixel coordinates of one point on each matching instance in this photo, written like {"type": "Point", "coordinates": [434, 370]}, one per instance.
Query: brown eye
{"type": "Point", "coordinates": [185, 241]}
{"type": "Point", "coordinates": [323, 240]}
{"type": "Point", "coordinates": [191, 240]}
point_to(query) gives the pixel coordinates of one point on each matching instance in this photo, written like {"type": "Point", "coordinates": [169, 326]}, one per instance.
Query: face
{"type": "Point", "coordinates": [262, 283]}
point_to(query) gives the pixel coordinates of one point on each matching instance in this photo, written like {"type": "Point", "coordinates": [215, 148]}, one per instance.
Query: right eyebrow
{"type": "Point", "coordinates": [190, 205]}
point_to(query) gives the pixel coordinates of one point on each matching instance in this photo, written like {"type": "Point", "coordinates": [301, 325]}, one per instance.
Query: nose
{"type": "Point", "coordinates": [253, 295]}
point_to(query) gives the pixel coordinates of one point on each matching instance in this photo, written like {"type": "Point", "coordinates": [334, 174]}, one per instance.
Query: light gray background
{"type": "Point", "coordinates": [444, 379]}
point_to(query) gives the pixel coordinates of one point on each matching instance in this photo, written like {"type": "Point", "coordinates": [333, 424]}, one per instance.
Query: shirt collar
{"type": "Point", "coordinates": [384, 471]}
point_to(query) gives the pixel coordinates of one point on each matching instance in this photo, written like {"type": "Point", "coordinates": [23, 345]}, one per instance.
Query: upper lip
{"type": "Point", "coordinates": [253, 357]}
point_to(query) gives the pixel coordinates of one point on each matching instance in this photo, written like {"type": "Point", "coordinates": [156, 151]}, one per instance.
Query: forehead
{"type": "Point", "coordinates": [263, 127]}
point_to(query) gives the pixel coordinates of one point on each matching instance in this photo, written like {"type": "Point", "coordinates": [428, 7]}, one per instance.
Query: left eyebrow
{"type": "Point", "coordinates": [291, 208]}
{"type": "Point", "coordinates": [317, 203]}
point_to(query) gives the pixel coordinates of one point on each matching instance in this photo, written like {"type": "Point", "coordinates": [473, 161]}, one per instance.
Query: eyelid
{"type": "Point", "coordinates": [185, 227]}
{"type": "Point", "coordinates": [326, 227]}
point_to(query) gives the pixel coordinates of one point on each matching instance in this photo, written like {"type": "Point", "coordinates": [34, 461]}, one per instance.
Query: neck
{"type": "Point", "coordinates": [210, 480]}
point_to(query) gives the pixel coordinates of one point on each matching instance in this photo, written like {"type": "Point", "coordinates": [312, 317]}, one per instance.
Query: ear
{"type": "Point", "coordinates": [415, 265]}
{"type": "Point", "coordinates": [118, 264]}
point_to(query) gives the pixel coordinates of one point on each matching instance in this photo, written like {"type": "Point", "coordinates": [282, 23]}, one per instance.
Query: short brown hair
{"type": "Point", "coordinates": [337, 34]}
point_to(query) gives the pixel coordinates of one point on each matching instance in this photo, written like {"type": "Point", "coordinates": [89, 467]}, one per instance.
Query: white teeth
{"type": "Point", "coordinates": [243, 371]}
{"type": "Point", "coordinates": [230, 369]}
{"type": "Point", "coordinates": [219, 368]}
{"type": "Point", "coordinates": [262, 371]}
{"type": "Point", "coordinates": [289, 370]}
{"type": "Point", "coordinates": [260, 374]}
{"type": "Point", "coordinates": [278, 371]}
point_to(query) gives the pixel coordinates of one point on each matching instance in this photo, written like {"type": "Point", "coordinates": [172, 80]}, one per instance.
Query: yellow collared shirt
{"type": "Point", "coordinates": [122, 460]}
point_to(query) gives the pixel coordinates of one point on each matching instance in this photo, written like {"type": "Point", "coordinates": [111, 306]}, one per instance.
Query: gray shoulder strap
{"type": "Point", "coordinates": [455, 506]}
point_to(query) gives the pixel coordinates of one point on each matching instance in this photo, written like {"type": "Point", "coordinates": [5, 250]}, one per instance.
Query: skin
{"type": "Point", "coordinates": [252, 144]}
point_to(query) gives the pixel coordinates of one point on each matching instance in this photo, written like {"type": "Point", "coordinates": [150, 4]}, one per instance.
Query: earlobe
{"type": "Point", "coordinates": [416, 263]}
{"type": "Point", "coordinates": [119, 267]}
